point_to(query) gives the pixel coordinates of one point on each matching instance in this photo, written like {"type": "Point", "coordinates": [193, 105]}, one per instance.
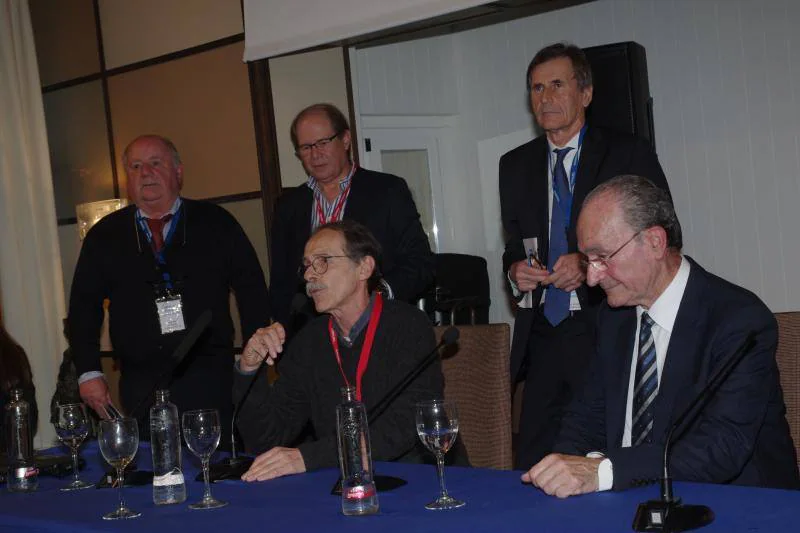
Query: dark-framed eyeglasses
{"type": "Point", "coordinates": [601, 263]}
{"type": "Point", "coordinates": [319, 264]}
{"type": "Point", "coordinates": [305, 149]}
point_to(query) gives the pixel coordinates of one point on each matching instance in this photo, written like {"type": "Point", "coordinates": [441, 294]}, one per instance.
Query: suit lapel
{"type": "Point", "coordinates": [592, 153]}
{"type": "Point", "coordinates": [684, 343]}
{"type": "Point", "coordinates": [358, 201]}
{"type": "Point", "coordinates": [620, 375]}
{"type": "Point", "coordinates": [537, 191]}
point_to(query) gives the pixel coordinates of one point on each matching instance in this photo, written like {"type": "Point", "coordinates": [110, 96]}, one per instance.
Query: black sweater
{"type": "Point", "coordinates": [209, 255]}
{"type": "Point", "coordinates": [309, 389]}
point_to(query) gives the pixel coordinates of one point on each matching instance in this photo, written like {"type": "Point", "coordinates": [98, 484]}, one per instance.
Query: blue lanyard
{"type": "Point", "coordinates": [566, 206]}
{"type": "Point", "coordinates": [160, 258]}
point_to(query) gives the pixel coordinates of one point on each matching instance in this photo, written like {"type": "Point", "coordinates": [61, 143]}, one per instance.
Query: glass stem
{"type": "Point", "coordinates": [120, 483]}
{"type": "Point", "coordinates": [207, 495]}
{"type": "Point", "coordinates": [75, 476]}
{"type": "Point", "coordinates": [440, 469]}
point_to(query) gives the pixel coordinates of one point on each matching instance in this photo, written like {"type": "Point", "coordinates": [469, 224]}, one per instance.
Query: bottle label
{"type": "Point", "coordinates": [360, 492]}
{"type": "Point", "coordinates": [25, 472]}
{"type": "Point", "coordinates": [173, 478]}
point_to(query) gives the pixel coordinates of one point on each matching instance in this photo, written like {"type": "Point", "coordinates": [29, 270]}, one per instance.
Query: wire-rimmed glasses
{"type": "Point", "coordinates": [437, 427]}
{"type": "Point", "coordinates": [319, 264]}
{"type": "Point", "coordinates": [119, 441]}
{"type": "Point", "coordinates": [72, 427]}
{"type": "Point", "coordinates": [201, 429]}
{"type": "Point", "coordinates": [601, 263]}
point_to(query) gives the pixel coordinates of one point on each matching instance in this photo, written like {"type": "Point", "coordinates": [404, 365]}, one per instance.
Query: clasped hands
{"type": "Point", "coordinates": [564, 475]}
{"type": "Point", "coordinates": [567, 275]}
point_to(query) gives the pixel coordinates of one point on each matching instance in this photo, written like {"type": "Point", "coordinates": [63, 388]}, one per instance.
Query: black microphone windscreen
{"type": "Point", "coordinates": [450, 336]}
{"type": "Point", "coordinates": [298, 302]}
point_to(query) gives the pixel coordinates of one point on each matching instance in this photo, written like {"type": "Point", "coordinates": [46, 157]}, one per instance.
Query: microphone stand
{"type": "Point", "coordinates": [668, 514]}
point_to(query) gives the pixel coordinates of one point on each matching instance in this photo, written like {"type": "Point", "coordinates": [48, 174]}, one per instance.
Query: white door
{"type": "Point", "coordinates": [413, 154]}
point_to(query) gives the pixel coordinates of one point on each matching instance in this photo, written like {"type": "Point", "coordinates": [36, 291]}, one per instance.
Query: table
{"type": "Point", "coordinates": [496, 501]}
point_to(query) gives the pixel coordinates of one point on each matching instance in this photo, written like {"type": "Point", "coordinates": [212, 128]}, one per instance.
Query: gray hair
{"type": "Point", "coordinates": [644, 205]}
{"type": "Point", "coordinates": [176, 157]}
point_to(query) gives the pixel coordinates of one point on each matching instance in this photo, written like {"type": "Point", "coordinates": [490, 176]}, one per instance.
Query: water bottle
{"type": "Point", "coordinates": [165, 443]}
{"type": "Point", "coordinates": [23, 475]}
{"type": "Point", "coordinates": [359, 496]}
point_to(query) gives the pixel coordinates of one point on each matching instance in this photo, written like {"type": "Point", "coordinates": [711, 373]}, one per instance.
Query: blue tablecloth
{"type": "Point", "coordinates": [496, 501]}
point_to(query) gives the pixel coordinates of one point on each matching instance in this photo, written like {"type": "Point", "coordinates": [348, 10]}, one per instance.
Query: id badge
{"type": "Point", "coordinates": [170, 313]}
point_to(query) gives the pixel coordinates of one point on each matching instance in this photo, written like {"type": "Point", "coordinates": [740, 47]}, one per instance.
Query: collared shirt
{"type": "Point", "coordinates": [327, 207]}
{"type": "Point", "coordinates": [359, 325]}
{"type": "Point", "coordinates": [664, 311]}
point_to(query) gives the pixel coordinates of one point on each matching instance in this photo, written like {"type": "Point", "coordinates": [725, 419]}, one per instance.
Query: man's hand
{"type": "Point", "coordinates": [527, 277]}
{"type": "Point", "coordinates": [95, 393]}
{"type": "Point", "coordinates": [265, 342]}
{"type": "Point", "coordinates": [274, 463]}
{"type": "Point", "coordinates": [568, 274]}
{"type": "Point", "coordinates": [564, 475]}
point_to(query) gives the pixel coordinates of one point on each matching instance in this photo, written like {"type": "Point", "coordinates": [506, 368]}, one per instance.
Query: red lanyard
{"type": "Point", "coordinates": [366, 350]}
{"type": "Point", "coordinates": [339, 208]}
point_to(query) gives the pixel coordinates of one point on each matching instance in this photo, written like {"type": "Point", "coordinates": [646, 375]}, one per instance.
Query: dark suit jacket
{"type": "Point", "coordinates": [524, 200]}
{"type": "Point", "coordinates": [383, 203]}
{"type": "Point", "coordinates": [740, 437]}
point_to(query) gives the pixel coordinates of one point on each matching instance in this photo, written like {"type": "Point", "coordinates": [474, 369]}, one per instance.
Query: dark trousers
{"type": "Point", "coordinates": [557, 358]}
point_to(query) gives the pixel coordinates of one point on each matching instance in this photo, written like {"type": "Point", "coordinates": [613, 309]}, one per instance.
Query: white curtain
{"type": "Point", "coordinates": [31, 284]}
{"type": "Point", "coordinates": [274, 27]}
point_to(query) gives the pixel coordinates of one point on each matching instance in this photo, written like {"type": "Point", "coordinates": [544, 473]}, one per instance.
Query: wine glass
{"type": "Point", "coordinates": [437, 427]}
{"type": "Point", "coordinates": [201, 429]}
{"type": "Point", "coordinates": [72, 426]}
{"type": "Point", "coordinates": [119, 441]}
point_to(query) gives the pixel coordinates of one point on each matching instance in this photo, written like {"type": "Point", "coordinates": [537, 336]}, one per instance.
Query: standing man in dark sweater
{"type": "Point", "coordinates": [161, 263]}
{"type": "Point", "coordinates": [361, 340]}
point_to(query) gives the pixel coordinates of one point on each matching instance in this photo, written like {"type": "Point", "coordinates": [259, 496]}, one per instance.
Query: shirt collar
{"type": "Point", "coordinates": [572, 143]}
{"type": "Point", "coordinates": [359, 326]}
{"type": "Point", "coordinates": [665, 309]}
{"type": "Point", "coordinates": [313, 184]}
{"type": "Point", "coordinates": [174, 209]}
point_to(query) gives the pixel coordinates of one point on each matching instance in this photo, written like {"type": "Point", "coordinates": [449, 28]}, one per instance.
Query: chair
{"type": "Point", "coordinates": [476, 378]}
{"type": "Point", "coordinates": [788, 357]}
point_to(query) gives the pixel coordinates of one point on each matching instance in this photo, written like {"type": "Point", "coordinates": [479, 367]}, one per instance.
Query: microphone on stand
{"type": "Point", "coordinates": [384, 483]}
{"type": "Point", "coordinates": [668, 514]}
{"type": "Point", "coordinates": [234, 466]}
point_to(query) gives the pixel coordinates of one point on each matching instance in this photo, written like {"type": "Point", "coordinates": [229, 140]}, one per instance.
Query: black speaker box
{"type": "Point", "coordinates": [621, 98]}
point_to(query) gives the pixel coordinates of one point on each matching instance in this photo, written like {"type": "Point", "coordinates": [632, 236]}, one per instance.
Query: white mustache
{"type": "Point", "coordinates": [312, 286]}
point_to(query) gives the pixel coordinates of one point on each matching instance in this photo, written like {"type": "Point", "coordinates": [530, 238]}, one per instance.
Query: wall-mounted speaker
{"type": "Point", "coordinates": [621, 98]}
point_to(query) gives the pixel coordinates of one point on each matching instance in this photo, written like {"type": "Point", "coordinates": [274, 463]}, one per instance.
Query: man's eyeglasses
{"type": "Point", "coordinates": [319, 264]}
{"type": "Point", "coordinates": [305, 149]}
{"type": "Point", "coordinates": [601, 263]}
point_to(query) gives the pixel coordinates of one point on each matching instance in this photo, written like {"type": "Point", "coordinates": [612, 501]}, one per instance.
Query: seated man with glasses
{"type": "Point", "coordinates": [362, 339]}
{"type": "Point", "coordinates": [338, 189]}
{"type": "Point", "coordinates": [666, 329]}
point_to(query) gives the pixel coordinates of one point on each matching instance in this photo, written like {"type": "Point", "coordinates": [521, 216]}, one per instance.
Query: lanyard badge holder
{"type": "Point", "coordinates": [168, 301]}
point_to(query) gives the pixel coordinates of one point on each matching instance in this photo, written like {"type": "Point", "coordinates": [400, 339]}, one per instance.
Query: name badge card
{"type": "Point", "coordinates": [170, 313]}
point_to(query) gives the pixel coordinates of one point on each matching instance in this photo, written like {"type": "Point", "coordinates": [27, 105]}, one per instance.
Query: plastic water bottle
{"type": "Point", "coordinates": [165, 443]}
{"type": "Point", "coordinates": [23, 475]}
{"type": "Point", "coordinates": [359, 496]}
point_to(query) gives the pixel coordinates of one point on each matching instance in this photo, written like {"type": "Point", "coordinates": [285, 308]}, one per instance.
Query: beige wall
{"type": "Point", "coordinates": [298, 81]}
{"type": "Point", "coordinates": [137, 30]}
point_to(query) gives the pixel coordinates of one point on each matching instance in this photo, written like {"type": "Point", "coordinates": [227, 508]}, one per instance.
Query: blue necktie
{"type": "Point", "coordinates": [645, 385]}
{"type": "Point", "coordinates": [556, 303]}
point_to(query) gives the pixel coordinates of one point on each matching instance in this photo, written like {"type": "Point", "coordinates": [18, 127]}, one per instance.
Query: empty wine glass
{"type": "Point", "coordinates": [72, 427]}
{"type": "Point", "coordinates": [119, 441]}
{"type": "Point", "coordinates": [201, 429]}
{"type": "Point", "coordinates": [437, 427]}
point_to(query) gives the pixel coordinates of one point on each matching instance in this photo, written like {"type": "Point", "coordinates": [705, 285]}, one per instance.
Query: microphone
{"type": "Point", "coordinates": [668, 513]}
{"type": "Point", "coordinates": [384, 483]}
{"type": "Point", "coordinates": [234, 466]}
{"type": "Point", "coordinates": [177, 357]}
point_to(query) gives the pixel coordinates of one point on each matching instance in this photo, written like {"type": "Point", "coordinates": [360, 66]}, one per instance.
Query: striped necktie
{"type": "Point", "coordinates": [645, 385]}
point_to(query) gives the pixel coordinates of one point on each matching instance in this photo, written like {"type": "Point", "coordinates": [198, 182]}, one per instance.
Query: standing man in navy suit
{"type": "Point", "coordinates": [336, 189]}
{"type": "Point", "coordinates": [666, 328]}
{"type": "Point", "coordinates": [542, 186]}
